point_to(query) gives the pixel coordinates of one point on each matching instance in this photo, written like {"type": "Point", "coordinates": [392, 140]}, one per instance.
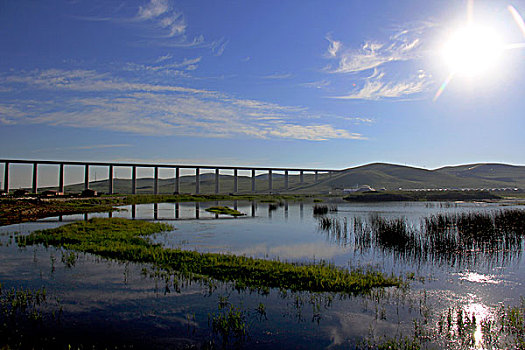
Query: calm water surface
{"type": "Point", "coordinates": [127, 303]}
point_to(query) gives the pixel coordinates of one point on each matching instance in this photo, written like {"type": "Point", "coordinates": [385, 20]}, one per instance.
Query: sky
{"type": "Point", "coordinates": [327, 84]}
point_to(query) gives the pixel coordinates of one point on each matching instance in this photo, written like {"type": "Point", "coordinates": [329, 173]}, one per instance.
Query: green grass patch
{"type": "Point", "coordinates": [124, 240]}
{"type": "Point", "coordinates": [225, 211]}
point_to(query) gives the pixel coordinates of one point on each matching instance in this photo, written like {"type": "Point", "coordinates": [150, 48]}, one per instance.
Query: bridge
{"type": "Point", "coordinates": [176, 167]}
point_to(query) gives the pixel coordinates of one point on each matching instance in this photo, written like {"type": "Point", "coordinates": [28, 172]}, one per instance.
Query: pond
{"type": "Point", "coordinates": [124, 304]}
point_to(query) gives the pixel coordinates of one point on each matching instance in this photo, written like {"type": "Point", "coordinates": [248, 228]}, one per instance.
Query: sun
{"type": "Point", "coordinates": [472, 50]}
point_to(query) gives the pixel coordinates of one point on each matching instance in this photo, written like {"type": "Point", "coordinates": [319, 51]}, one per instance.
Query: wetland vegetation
{"type": "Point", "coordinates": [455, 238]}
{"type": "Point", "coordinates": [224, 210]}
{"type": "Point", "coordinates": [268, 300]}
{"type": "Point", "coordinates": [124, 240]}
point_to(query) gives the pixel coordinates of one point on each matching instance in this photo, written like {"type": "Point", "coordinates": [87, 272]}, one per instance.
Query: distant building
{"type": "Point", "coordinates": [362, 188]}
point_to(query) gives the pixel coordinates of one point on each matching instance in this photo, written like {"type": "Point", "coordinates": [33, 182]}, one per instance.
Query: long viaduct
{"type": "Point", "coordinates": [176, 167]}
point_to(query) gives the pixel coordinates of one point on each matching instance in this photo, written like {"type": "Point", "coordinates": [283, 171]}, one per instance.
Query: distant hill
{"type": "Point", "coordinates": [393, 177]}
{"type": "Point", "coordinates": [376, 175]}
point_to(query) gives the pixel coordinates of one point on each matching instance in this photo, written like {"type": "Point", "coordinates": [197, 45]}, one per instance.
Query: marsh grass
{"type": "Point", "coordinates": [123, 239]}
{"type": "Point", "coordinates": [224, 210]}
{"type": "Point", "coordinates": [320, 209]}
{"type": "Point", "coordinates": [229, 324]}
{"type": "Point", "coordinates": [23, 312]}
{"type": "Point", "coordinates": [455, 328]}
{"type": "Point", "coordinates": [454, 239]}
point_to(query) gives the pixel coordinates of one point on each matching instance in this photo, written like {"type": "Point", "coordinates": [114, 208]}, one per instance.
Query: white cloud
{"type": "Point", "coordinates": [218, 46]}
{"type": "Point", "coordinates": [153, 9]}
{"type": "Point", "coordinates": [277, 76]}
{"type": "Point", "coordinates": [333, 47]}
{"type": "Point", "coordinates": [187, 64]}
{"type": "Point", "coordinates": [321, 84]}
{"type": "Point", "coordinates": [154, 109]}
{"type": "Point", "coordinates": [402, 46]}
{"type": "Point", "coordinates": [313, 132]}
{"type": "Point", "coordinates": [164, 58]}
{"type": "Point", "coordinates": [375, 88]}
{"type": "Point", "coordinates": [164, 16]}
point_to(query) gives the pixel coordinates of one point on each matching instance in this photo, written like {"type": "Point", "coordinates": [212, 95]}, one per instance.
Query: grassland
{"type": "Point", "coordinates": [124, 240]}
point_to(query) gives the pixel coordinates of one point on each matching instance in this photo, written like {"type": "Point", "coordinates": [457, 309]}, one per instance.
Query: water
{"type": "Point", "coordinates": [127, 303]}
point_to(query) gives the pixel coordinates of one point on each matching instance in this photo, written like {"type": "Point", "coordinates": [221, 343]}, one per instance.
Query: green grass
{"type": "Point", "coordinates": [124, 240]}
{"type": "Point", "coordinates": [225, 211]}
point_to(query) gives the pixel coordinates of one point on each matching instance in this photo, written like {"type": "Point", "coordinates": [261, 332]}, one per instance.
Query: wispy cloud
{"type": "Point", "coordinates": [277, 76]}
{"type": "Point", "coordinates": [218, 46]}
{"type": "Point", "coordinates": [402, 46]}
{"type": "Point", "coordinates": [321, 84]}
{"type": "Point", "coordinates": [375, 88]}
{"type": "Point", "coordinates": [159, 22]}
{"type": "Point", "coordinates": [103, 146]}
{"type": "Point", "coordinates": [154, 109]}
{"type": "Point", "coordinates": [87, 147]}
{"type": "Point", "coordinates": [187, 64]}
{"type": "Point", "coordinates": [333, 47]}
{"type": "Point", "coordinates": [160, 11]}
{"type": "Point", "coordinates": [313, 132]}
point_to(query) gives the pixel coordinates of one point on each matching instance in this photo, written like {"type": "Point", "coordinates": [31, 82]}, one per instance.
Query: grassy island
{"type": "Point", "coordinates": [124, 240]}
{"type": "Point", "coordinates": [225, 211]}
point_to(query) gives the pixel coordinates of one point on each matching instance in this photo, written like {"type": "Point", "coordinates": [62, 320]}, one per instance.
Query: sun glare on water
{"type": "Point", "coordinates": [472, 50]}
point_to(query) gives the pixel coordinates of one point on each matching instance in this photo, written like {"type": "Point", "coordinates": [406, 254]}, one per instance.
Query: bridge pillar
{"type": "Point", "coordinates": [253, 180]}
{"type": "Point", "coordinates": [286, 179]}
{"type": "Point", "coordinates": [177, 180]}
{"type": "Point", "coordinates": [61, 178]}
{"type": "Point", "coordinates": [197, 181]}
{"type": "Point", "coordinates": [110, 180]}
{"type": "Point", "coordinates": [35, 177]}
{"type": "Point", "coordinates": [316, 176]}
{"type": "Point", "coordinates": [133, 180]}
{"type": "Point", "coordinates": [156, 181]}
{"type": "Point", "coordinates": [302, 176]}
{"type": "Point", "coordinates": [6, 177]}
{"type": "Point", "coordinates": [235, 181]}
{"type": "Point", "coordinates": [270, 184]}
{"type": "Point", "coordinates": [86, 176]}
{"type": "Point", "coordinates": [217, 175]}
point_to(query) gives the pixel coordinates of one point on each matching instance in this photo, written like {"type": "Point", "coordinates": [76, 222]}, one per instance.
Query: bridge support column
{"type": "Point", "coordinates": [110, 180]}
{"type": "Point", "coordinates": [235, 181]}
{"type": "Point", "coordinates": [253, 180]}
{"type": "Point", "coordinates": [177, 180]}
{"type": "Point", "coordinates": [270, 184]}
{"type": "Point", "coordinates": [35, 177]}
{"type": "Point", "coordinates": [86, 176]}
{"type": "Point", "coordinates": [6, 177]}
{"type": "Point", "coordinates": [156, 181]}
{"type": "Point", "coordinates": [301, 177]}
{"type": "Point", "coordinates": [217, 175]}
{"type": "Point", "coordinates": [197, 181]}
{"type": "Point", "coordinates": [134, 180]}
{"type": "Point", "coordinates": [286, 179]}
{"type": "Point", "coordinates": [61, 178]}
{"type": "Point", "coordinates": [316, 176]}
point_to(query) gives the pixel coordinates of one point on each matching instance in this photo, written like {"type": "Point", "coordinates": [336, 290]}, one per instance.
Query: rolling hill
{"type": "Point", "coordinates": [376, 175]}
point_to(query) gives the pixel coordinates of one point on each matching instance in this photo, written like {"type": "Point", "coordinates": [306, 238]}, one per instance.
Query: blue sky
{"type": "Point", "coordinates": [329, 84]}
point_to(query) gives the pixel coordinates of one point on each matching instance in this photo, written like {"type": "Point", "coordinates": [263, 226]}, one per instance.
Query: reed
{"type": "Point", "coordinates": [320, 209]}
